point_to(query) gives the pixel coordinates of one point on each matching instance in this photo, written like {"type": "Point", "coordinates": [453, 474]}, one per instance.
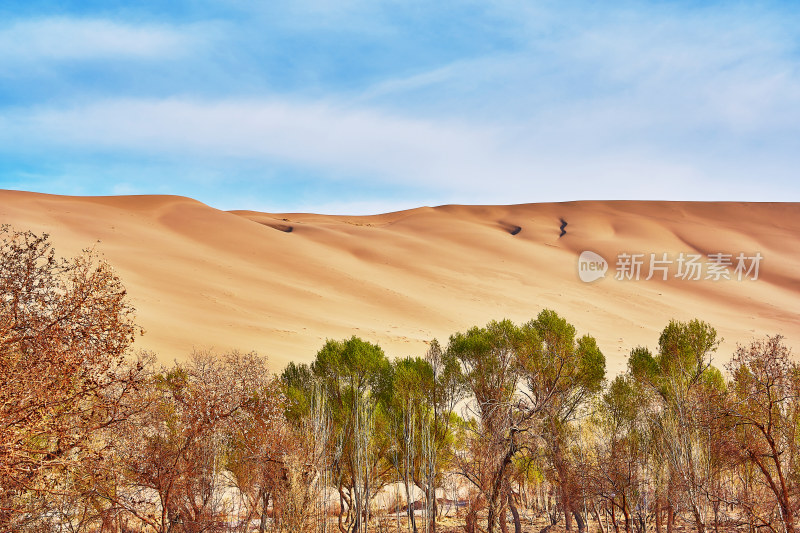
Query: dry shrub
{"type": "Point", "coordinates": [477, 502]}
{"type": "Point", "coordinates": [295, 506]}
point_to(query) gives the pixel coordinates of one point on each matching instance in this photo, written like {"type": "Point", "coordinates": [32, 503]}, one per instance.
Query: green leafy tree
{"type": "Point", "coordinates": [528, 383]}
{"type": "Point", "coordinates": [355, 379]}
{"type": "Point", "coordinates": [425, 392]}
{"type": "Point", "coordinates": [411, 420]}
{"type": "Point", "coordinates": [489, 365]}
{"type": "Point", "coordinates": [561, 374]}
{"type": "Point", "coordinates": [446, 390]}
{"type": "Point", "coordinates": [620, 472]}
{"type": "Point", "coordinates": [679, 375]}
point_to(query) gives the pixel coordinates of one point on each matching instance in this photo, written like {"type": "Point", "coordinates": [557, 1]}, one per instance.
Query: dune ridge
{"type": "Point", "coordinates": [281, 283]}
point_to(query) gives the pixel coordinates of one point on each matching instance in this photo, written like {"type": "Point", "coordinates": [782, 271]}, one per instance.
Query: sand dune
{"type": "Point", "coordinates": [281, 284]}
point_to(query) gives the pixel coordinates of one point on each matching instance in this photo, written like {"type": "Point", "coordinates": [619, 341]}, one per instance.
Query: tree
{"type": "Point", "coordinates": [620, 471]}
{"type": "Point", "coordinates": [528, 382]}
{"type": "Point", "coordinates": [561, 374]}
{"type": "Point", "coordinates": [175, 449]}
{"type": "Point", "coordinates": [259, 441]}
{"type": "Point", "coordinates": [763, 405]}
{"type": "Point", "coordinates": [424, 394]}
{"type": "Point", "coordinates": [65, 327]}
{"type": "Point", "coordinates": [410, 418]}
{"type": "Point", "coordinates": [678, 376]}
{"type": "Point", "coordinates": [488, 358]}
{"type": "Point", "coordinates": [446, 390]}
{"type": "Point", "coordinates": [355, 379]}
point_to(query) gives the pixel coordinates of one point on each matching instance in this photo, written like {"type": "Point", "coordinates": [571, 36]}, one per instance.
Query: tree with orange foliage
{"type": "Point", "coordinates": [763, 407]}
{"type": "Point", "coordinates": [260, 440]}
{"type": "Point", "coordinates": [173, 453]}
{"type": "Point", "coordinates": [65, 326]}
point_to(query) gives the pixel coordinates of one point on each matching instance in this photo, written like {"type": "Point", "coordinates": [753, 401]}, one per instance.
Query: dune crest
{"type": "Point", "coordinates": [201, 277]}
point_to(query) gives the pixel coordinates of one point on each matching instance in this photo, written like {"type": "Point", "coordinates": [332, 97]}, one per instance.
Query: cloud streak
{"type": "Point", "coordinates": [319, 135]}
{"type": "Point", "coordinates": [47, 40]}
{"type": "Point", "coordinates": [467, 160]}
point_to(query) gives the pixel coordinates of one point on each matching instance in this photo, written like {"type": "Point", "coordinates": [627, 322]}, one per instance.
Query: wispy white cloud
{"type": "Point", "coordinates": [457, 161]}
{"type": "Point", "coordinates": [31, 41]}
{"type": "Point", "coordinates": [316, 135]}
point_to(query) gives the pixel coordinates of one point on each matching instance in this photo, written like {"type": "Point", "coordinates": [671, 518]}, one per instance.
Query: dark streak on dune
{"type": "Point", "coordinates": [563, 225]}
{"type": "Point", "coordinates": [286, 228]}
{"type": "Point", "coordinates": [512, 229]}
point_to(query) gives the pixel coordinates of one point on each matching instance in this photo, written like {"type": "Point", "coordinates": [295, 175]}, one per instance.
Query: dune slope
{"type": "Point", "coordinates": [281, 284]}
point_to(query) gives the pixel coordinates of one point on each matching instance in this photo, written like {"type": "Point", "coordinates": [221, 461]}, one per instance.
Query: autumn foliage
{"type": "Point", "coordinates": [65, 327]}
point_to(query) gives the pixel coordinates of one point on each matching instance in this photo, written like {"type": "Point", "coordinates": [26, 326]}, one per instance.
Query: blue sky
{"type": "Point", "coordinates": [364, 106]}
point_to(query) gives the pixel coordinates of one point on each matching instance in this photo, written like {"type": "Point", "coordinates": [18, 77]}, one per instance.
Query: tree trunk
{"type": "Point", "coordinates": [498, 487]}
{"type": "Point", "coordinates": [658, 515]}
{"type": "Point", "coordinates": [491, 519]}
{"type": "Point", "coordinates": [597, 517]}
{"type": "Point", "coordinates": [434, 512]}
{"type": "Point", "coordinates": [626, 513]}
{"type": "Point", "coordinates": [698, 520]}
{"type": "Point", "coordinates": [503, 517]}
{"type": "Point", "coordinates": [410, 506]}
{"type": "Point", "coordinates": [514, 513]}
{"type": "Point", "coordinates": [614, 518]}
{"type": "Point", "coordinates": [787, 512]}
{"type": "Point", "coordinates": [566, 505]}
{"type": "Point", "coordinates": [262, 524]}
{"type": "Point", "coordinates": [670, 517]}
{"type": "Point", "coordinates": [579, 520]}
{"type": "Point", "coordinates": [471, 519]}
{"type": "Point", "coordinates": [342, 528]}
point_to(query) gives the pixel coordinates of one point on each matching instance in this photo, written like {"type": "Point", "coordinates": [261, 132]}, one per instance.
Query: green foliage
{"type": "Point", "coordinates": [620, 402]}
{"type": "Point", "coordinates": [642, 365]}
{"type": "Point", "coordinates": [591, 369]}
{"type": "Point", "coordinates": [557, 335]}
{"type": "Point", "coordinates": [173, 380]}
{"type": "Point", "coordinates": [561, 374]}
{"type": "Point", "coordinates": [413, 380]}
{"type": "Point", "coordinates": [683, 359]}
{"type": "Point", "coordinates": [352, 366]}
{"type": "Point", "coordinates": [449, 383]}
{"type": "Point", "coordinates": [298, 384]}
{"type": "Point", "coordinates": [713, 379]}
{"type": "Point", "coordinates": [487, 355]}
{"type": "Point", "coordinates": [683, 347]}
{"type": "Point", "coordinates": [355, 381]}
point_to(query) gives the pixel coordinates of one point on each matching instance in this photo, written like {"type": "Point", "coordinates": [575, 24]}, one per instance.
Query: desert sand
{"type": "Point", "coordinates": [280, 284]}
